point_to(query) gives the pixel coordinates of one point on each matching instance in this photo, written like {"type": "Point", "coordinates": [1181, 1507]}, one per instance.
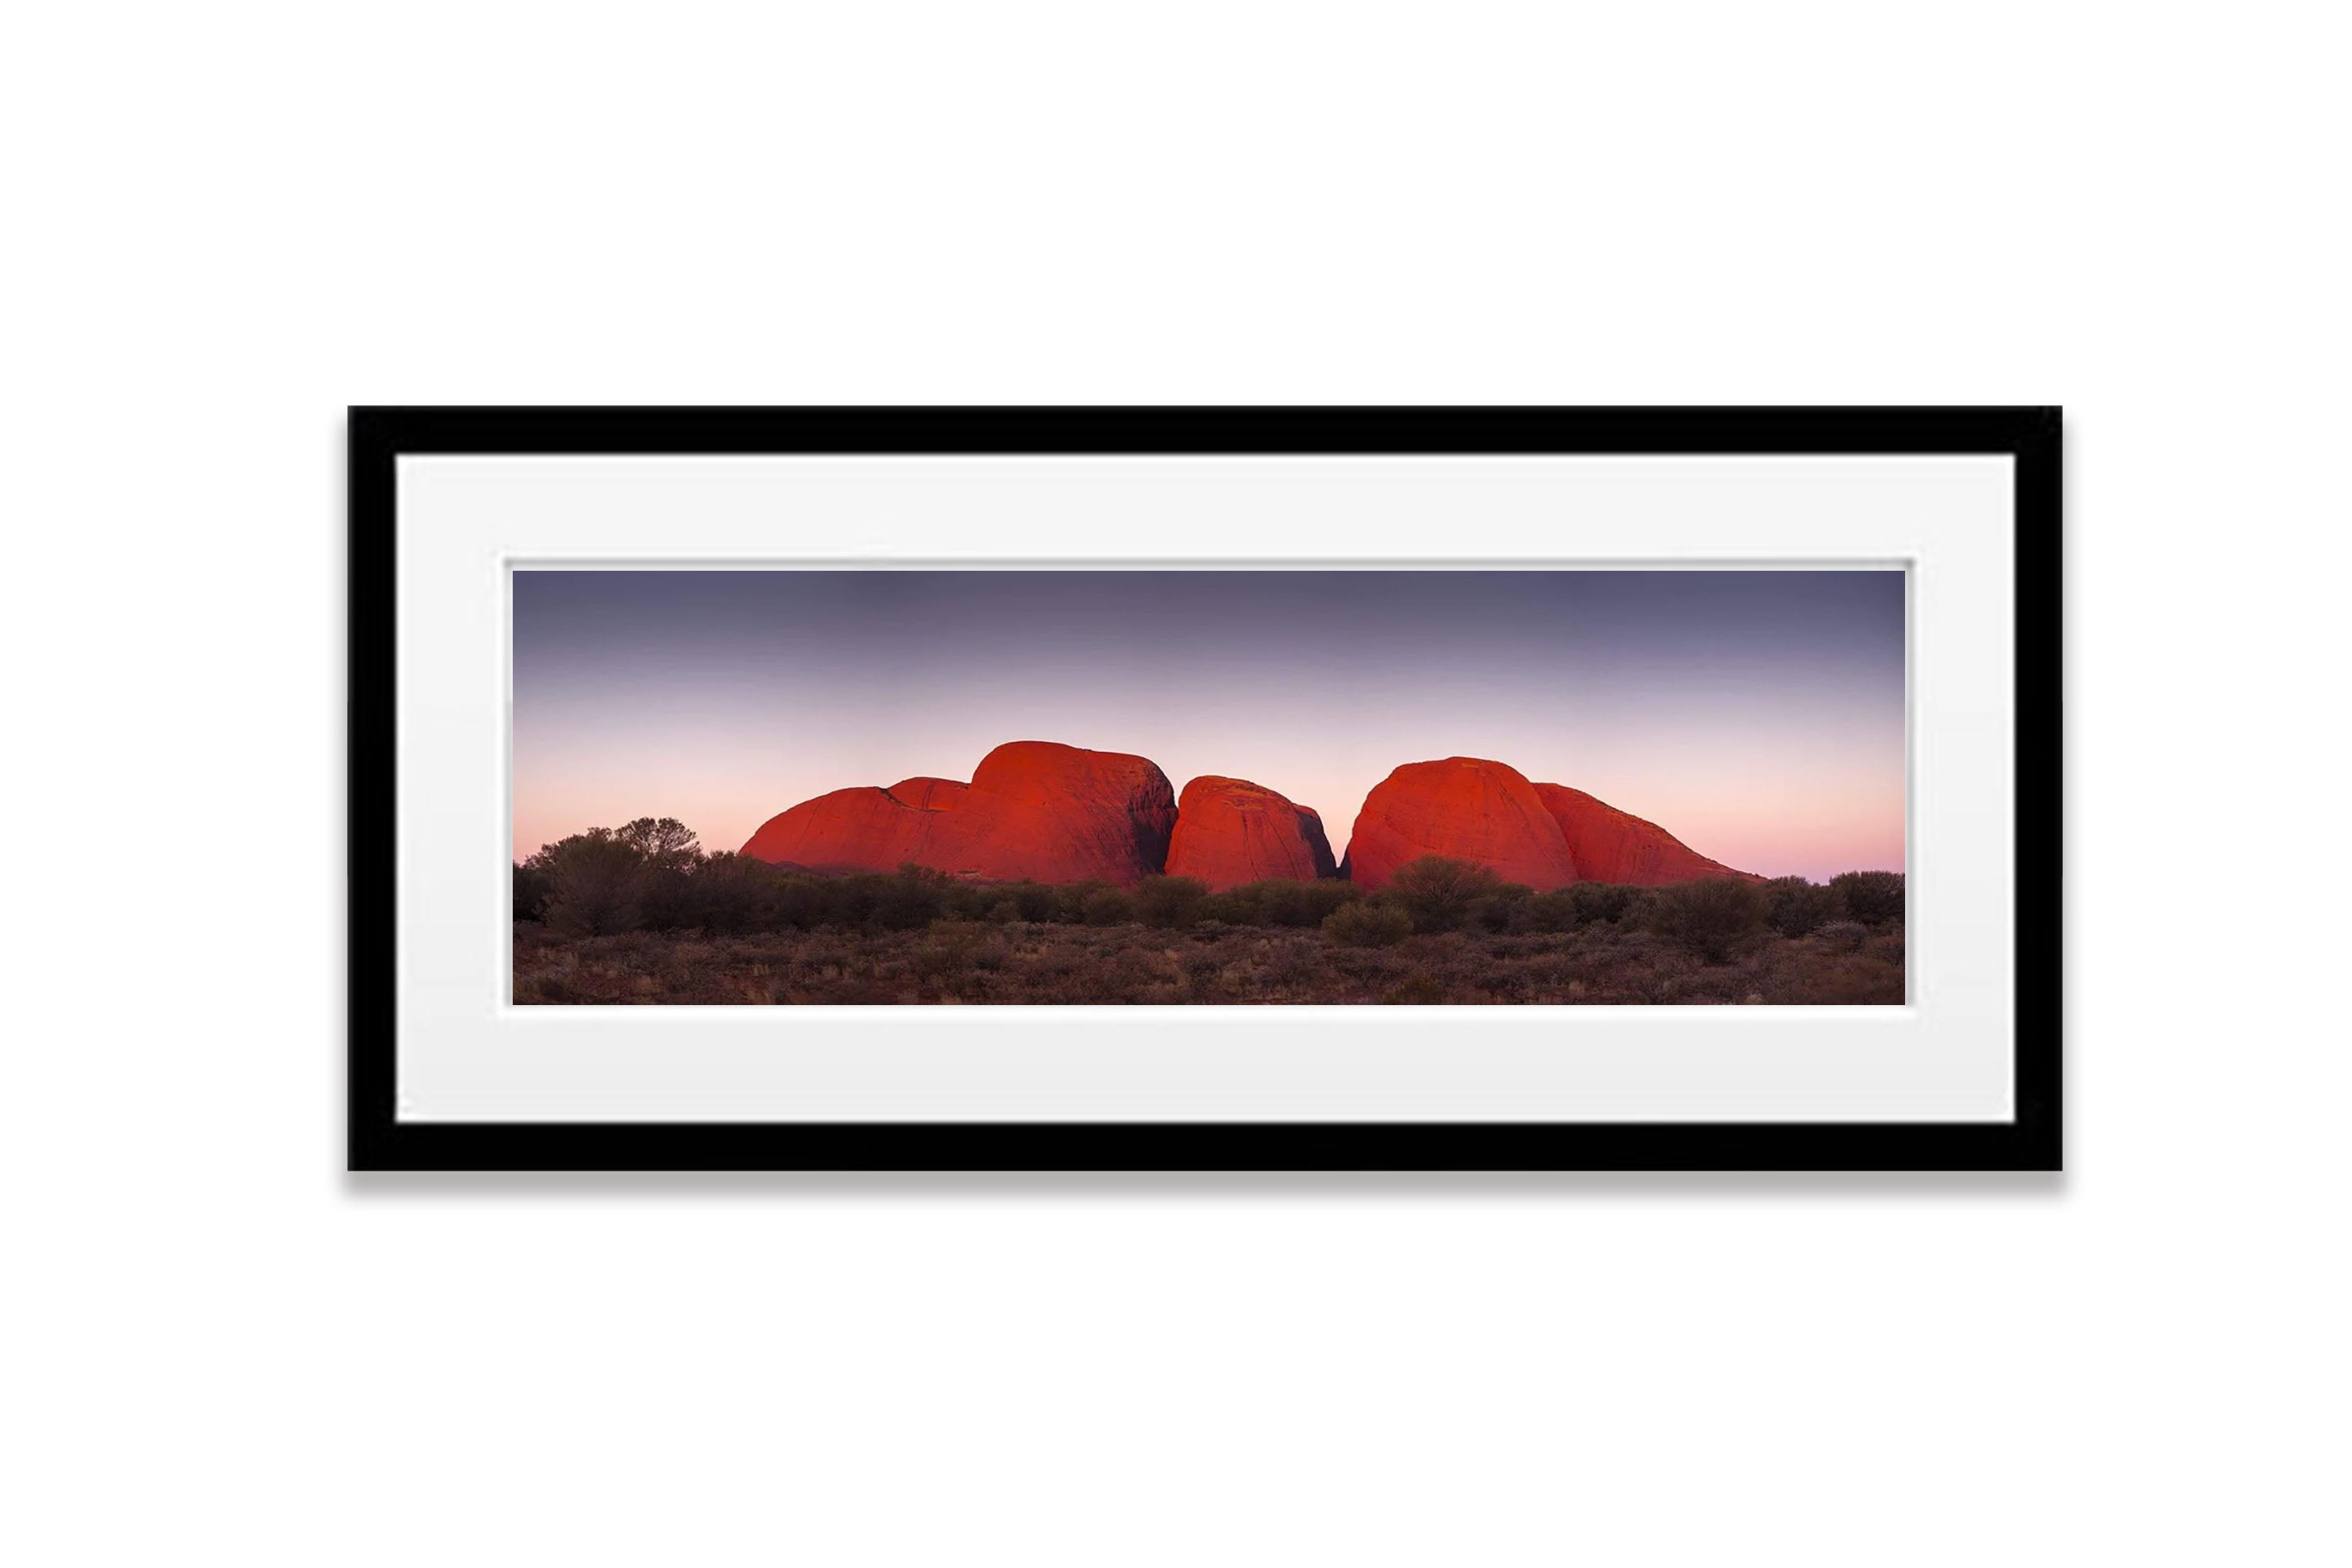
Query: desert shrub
{"type": "Point", "coordinates": [1107, 906]}
{"type": "Point", "coordinates": [913, 899]}
{"type": "Point", "coordinates": [532, 886]}
{"type": "Point", "coordinates": [1288, 962]}
{"type": "Point", "coordinates": [1005, 911]}
{"type": "Point", "coordinates": [597, 884]}
{"type": "Point", "coordinates": [1368, 923]}
{"type": "Point", "coordinates": [732, 893]}
{"type": "Point", "coordinates": [1658, 978]}
{"type": "Point", "coordinates": [1544, 913]}
{"type": "Point", "coordinates": [961, 900]}
{"type": "Point", "coordinates": [1714, 987]}
{"type": "Point", "coordinates": [1437, 893]}
{"type": "Point", "coordinates": [1169, 902]}
{"type": "Point", "coordinates": [851, 903]}
{"type": "Point", "coordinates": [1710, 917]}
{"type": "Point", "coordinates": [1283, 901]}
{"type": "Point", "coordinates": [1033, 901]}
{"type": "Point", "coordinates": [1603, 903]}
{"type": "Point", "coordinates": [1223, 909]}
{"type": "Point", "coordinates": [1873, 898]}
{"type": "Point", "coordinates": [948, 950]}
{"type": "Point", "coordinates": [669, 897]}
{"type": "Point", "coordinates": [1512, 983]}
{"type": "Point", "coordinates": [804, 903]}
{"type": "Point", "coordinates": [1492, 911]}
{"type": "Point", "coordinates": [1070, 899]}
{"type": "Point", "coordinates": [1238, 906]}
{"type": "Point", "coordinates": [1801, 907]}
{"type": "Point", "coordinates": [1840, 980]}
{"type": "Point", "coordinates": [1844, 936]}
{"type": "Point", "coordinates": [1308, 904]}
{"type": "Point", "coordinates": [1414, 990]}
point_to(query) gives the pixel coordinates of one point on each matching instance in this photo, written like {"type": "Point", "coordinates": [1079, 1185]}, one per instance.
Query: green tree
{"type": "Point", "coordinates": [1107, 906]}
{"type": "Point", "coordinates": [1711, 916]}
{"type": "Point", "coordinates": [1170, 902]}
{"type": "Point", "coordinates": [1801, 907]}
{"type": "Point", "coordinates": [597, 884]}
{"type": "Point", "coordinates": [1873, 898]}
{"type": "Point", "coordinates": [1438, 893]}
{"type": "Point", "coordinates": [664, 842]}
{"type": "Point", "coordinates": [1603, 903]}
{"type": "Point", "coordinates": [1544, 912]}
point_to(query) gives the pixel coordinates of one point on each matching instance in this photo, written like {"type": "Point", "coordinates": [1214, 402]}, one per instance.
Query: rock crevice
{"type": "Point", "coordinates": [1231, 831]}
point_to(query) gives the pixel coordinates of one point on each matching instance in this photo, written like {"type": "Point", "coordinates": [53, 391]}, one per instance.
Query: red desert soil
{"type": "Point", "coordinates": [1613, 846]}
{"type": "Point", "coordinates": [1230, 831]}
{"type": "Point", "coordinates": [1033, 809]}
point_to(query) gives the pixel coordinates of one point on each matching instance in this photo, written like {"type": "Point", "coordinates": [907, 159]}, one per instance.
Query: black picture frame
{"type": "Point", "coordinates": [380, 1141]}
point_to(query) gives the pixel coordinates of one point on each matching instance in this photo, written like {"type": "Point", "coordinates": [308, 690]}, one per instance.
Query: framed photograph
{"type": "Point", "coordinates": [1205, 789]}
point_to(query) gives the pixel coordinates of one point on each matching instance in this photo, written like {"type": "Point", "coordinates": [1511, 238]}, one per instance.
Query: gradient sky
{"type": "Point", "coordinates": [1756, 715]}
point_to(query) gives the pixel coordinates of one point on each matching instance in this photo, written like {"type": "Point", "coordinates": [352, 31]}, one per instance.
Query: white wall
{"type": "Point", "coordinates": [228, 221]}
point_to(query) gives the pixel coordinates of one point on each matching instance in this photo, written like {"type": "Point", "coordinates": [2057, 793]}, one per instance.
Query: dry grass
{"type": "Point", "coordinates": [1015, 962]}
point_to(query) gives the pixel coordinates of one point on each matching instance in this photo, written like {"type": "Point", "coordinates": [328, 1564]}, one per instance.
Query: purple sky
{"type": "Point", "coordinates": [1757, 716]}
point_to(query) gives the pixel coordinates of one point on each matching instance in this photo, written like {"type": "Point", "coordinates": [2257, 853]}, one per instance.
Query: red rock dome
{"type": "Point", "coordinates": [1230, 831]}
{"type": "Point", "coordinates": [1613, 846]}
{"type": "Point", "coordinates": [928, 795]}
{"type": "Point", "coordinates": [862, 829]}
{"type": "Point", "coordinates": [1465, 808]}
{"type": "Point", "coordinates": [1033, 809]}
{"type": "Point", "coordinates": [1058, 813]}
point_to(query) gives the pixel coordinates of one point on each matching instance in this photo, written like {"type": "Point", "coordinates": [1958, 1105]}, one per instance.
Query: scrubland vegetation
{"type": "Point", "coordinates": [640, 915]}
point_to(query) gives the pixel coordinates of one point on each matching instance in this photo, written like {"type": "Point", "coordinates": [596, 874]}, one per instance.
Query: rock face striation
{"type": "Point", "coordinates": [1033, 809]}
{"type": "Point", "coordinates": [1613, 846]}
{"type": "Point", "coordinates": [1465, 808]}
{"type": "Point", "coordinates": [1230, 831]}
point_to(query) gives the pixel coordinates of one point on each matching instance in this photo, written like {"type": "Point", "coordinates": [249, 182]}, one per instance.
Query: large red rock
{"type": "Point", "coordinates": [1613, 846]}
{"type": "Point", "coordinates": [1058, 813]}
{"type": "Point", "coordinates": [928, 795]}
{"type": "Point", "coordinates": [1034, 810]}
{"type": "Point", "coordinates": [1463, 808]}
{"type": "Point", "coordinates": [863, 829]}
{"type": "Point", "coordinates": [1230, 831]}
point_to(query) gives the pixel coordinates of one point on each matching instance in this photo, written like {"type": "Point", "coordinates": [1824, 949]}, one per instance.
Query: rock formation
{"type": "Point", "coordinates": [1036, 810]}
{"type": "Point", "coordinates": [1230, 831]}
{"type": "Point", "coordinates": [928, 795]}
{"type": "Point", "coordinates": [1033, 809]}
{"type": "Point", "coordinates": [849, 830]}
{"type": "Point", "coordinates": [1613, 846]}
{"type": "Point", "coordinates": [1463, 808]}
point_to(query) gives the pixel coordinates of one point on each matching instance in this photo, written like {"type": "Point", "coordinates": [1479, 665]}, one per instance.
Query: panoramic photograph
{"type": "Point", "coordinates": [1540, 787]}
